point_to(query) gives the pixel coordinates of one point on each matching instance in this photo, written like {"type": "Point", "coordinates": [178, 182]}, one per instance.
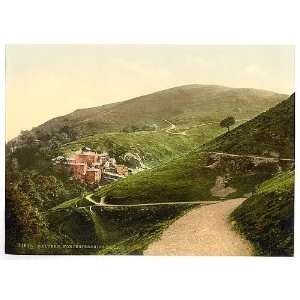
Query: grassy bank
{"type": "Point", "coordinates": [117, 230]}
{"type": "Point", "coordinates": [153, 147]}
{"type": "Point", "coordinates": [271, 133]}
{"type": "Point", "coordinates": [267, 218]}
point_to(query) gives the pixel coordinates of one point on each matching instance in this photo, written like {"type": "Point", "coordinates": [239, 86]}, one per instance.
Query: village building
{"type": "Point", "coordinates": [89, 166]}
{"type": "Point", "coordinates": [89, 157]}
{"type": "Point", "coordinates": [85, 166]}
{"type": "Point", "coordinates": [92, 175]}
{"type": "Point", "coordinates": [122, 170]}
{"type": "Point", "coordinates": [110, 164]}
{"type": "Point", "coordinates": [78, 169]}
{"type": "Point", "coordinates": [103, 157]}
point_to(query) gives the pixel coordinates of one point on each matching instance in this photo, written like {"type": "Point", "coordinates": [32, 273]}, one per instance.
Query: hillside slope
{"type": "Point", "coordinates": [271, 133]}
{"type": "Point", "coordinates": [201, 175]}
{"type": "Point", "coordinates": [147, 147]}
{"type": "Point", "coordinates": [267, 218]}
{"type": "Point", "coordinates": [182, 105]}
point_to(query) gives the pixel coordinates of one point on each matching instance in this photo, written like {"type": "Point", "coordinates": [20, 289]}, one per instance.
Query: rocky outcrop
{"type": "Point", "coordinates": [133, 160]}
{"type": "Point", "coordinates": [232, 163]}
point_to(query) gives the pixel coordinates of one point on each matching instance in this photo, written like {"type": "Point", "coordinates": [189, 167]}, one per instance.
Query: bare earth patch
{"type": "Point", "coordinates": [203, 231]}
{"type": "Point", "coordinates": [219, 189]}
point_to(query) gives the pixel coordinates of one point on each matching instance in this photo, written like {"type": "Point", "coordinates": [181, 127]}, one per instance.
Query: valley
{"type": "Point", "coordinates": [190, 167]}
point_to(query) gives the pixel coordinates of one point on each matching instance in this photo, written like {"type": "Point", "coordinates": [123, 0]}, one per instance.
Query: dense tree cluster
{"type": "Point", "coordinates": [33, 185]}
{"type": "Point", "coordinates": [135, 128]}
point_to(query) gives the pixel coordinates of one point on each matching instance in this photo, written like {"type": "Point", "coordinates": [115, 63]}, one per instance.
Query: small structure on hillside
{"type": "Point", "coordinates": [86, 166]}
{"type": "Point", "coordinates": [122, 170]}
{"type": "Point", "coordinates": [93, 175]}
{"type": "Point", "coordinates": [89, 166]}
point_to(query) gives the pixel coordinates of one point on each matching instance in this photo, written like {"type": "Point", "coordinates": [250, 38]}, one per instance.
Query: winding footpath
{"type": "Point", "coordinates": [203, 231]}
{"type": "Point", "coordinates": [102, 203]}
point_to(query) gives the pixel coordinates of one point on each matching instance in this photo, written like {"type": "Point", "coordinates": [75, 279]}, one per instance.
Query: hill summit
{"type": "Point", "coordinates": [186, 105]}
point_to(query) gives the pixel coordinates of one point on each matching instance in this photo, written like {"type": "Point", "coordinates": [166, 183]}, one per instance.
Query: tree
{"type": "Point", "coordinates": [26, 137]}
{"type": "Point", "coordinates": [24, 222]}
{"type": "Point", "coordinates": [227, 122]}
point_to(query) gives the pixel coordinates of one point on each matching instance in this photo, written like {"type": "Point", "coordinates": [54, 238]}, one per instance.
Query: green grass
{"type": "Point", "coordinates": [185, 179]}
{"type": "Point", "coordinates": [280, 183]}
{"type": "Point", "coordinates": [134, 229]}
{"type": "Point", "coordinates": [180, 180]}
{"type": "Point", "coordinates": [270, 133]}
{"type": "Point", "coordinates": [66, 204]}
{"type": "Point", "coordinates": [184, 105]}
{"type": "Point", "coordinates": [188, 179]}
{"type": "Point", "coordinates": [153, 147]}
{"type": "Point", "coordinates": [267, 218]}
{"type": "Point", "coordinates": [117, 230]}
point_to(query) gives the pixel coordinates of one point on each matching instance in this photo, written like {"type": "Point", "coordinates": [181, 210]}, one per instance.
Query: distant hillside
{"type": "Point", "coordinates": [147, 147]}
{"type": "Point", "coordinates": [272, 133]}
{"type": "Point", "coordinates": [188, 104]}
{"type": "Point", "coordinates": [267, 218]}
{"type": "Point", "coordinates": [192, 177]}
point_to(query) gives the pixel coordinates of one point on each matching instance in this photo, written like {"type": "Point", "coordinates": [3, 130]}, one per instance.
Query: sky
{"type": "Point", "coordinates": [46, 81]}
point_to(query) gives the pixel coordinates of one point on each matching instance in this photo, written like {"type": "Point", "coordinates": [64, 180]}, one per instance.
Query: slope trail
{"type": "Point", "coordinates": [203, 231]}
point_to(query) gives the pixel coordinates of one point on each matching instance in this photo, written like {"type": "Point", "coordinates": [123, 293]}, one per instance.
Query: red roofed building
{"type": "Point", "coordinates": [88, 165]}
{"type": "Point", "coordinates": [87, 157]}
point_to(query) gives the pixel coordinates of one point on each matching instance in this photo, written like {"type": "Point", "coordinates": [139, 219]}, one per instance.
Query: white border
{"type": "Point", "coordinates": [140, 22]}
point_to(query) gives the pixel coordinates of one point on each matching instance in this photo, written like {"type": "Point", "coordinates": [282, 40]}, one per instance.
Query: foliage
{"type": "Point", "coordinates": [134, 128]}
{"type": "Point", "coordinates": [187, 178]}
{"type": "Point", "coordinates": [267, 218]}
{"type": "Point", "coordinates": [271, 133]}
{"type": "Point", "coordinates": [33, 185]}
{"type": "Point", "coordinates": [227, 122]}
{"type": "Point", "coordinates": [23, 220]}
{"type": "Point", "coordinates": [117, 230]}
{"type": "Point", "coordinates": [153, 147]}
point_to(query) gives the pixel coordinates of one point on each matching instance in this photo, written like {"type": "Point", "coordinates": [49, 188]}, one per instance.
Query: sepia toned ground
{"type": "Point", "coordinates": [203, 231]}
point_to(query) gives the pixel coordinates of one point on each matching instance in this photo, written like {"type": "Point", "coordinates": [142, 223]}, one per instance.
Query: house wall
{"type": "Point", "coordinates": [93, 176]}
{"type": "Point", "coordinates": [78, 169]}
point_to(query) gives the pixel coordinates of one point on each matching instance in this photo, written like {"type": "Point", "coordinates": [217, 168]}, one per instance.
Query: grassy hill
{"type": "Point", "coordinates": [271, 133]}
{"type": "Point", "coordinates": [192, 177]}
{"type": "Point", "coordinates": [151, 147]}
{"type": "Point", "coordinates": [184, 105]}
{"type": "Point", "coordinates": [267, 218]}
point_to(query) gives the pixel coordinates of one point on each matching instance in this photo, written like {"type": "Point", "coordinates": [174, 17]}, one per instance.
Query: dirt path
{"type": "Point", "coordinates": [250, 156]}
{"type": "Point", "coordinates": [171, 129]}
{"type": "Point", "coordinates": [203, 231]}
{"type": "Point", "coordinates": [103, 204]}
